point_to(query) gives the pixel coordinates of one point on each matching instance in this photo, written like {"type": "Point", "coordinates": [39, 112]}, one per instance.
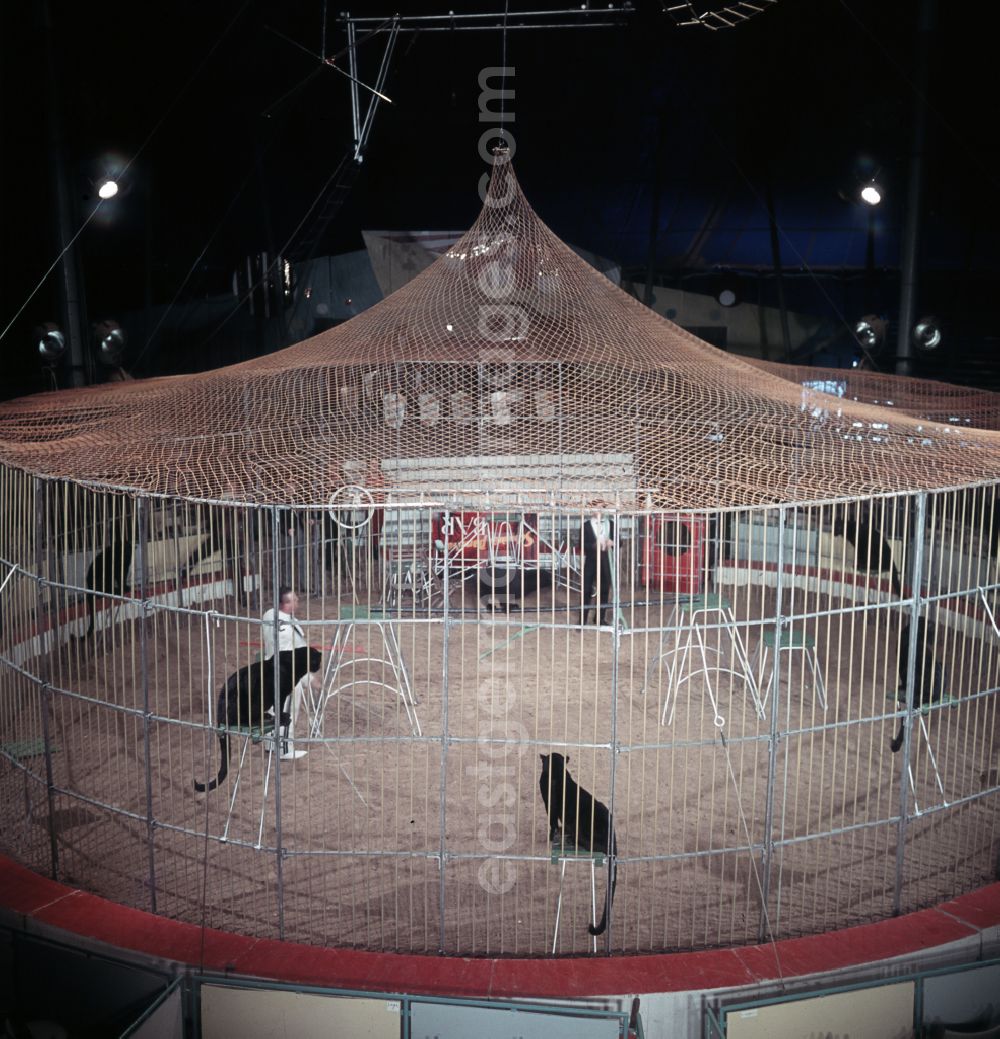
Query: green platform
{"type": "Point", "coordinates": [561, 851]}
{"type": "Point", "coordinates": [790, 639]}
{"type": "Point", "coordinates": [25, 749]}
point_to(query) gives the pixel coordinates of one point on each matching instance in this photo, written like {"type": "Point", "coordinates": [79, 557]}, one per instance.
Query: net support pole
{"type": "Point", "coordinates": [911, 659]}
{"type": "Point", "coordinates": [914, 192]}
{"type": "Point", "coordinates": [767, 852]}
{"type": "Point", "coordinates": [141, 535]}
{"type": "Point", "coordinates": [779, 280]}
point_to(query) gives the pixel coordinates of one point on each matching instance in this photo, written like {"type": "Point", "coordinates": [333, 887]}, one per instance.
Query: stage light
{"type": "Point", "coordinates": [869, 331]}
{"type": "Point", "coordinates": [110, 340]}
{"type": "Point", "coordinates": [926, 334]}
{"type": "Point", "coordinates": [871, 194]}
{"type": "Point", "coordinates": [108, 188]}
{"type": "Point", "coordinates": [727, 297]}
{"type": "Point", "coordinates": [50, 341]}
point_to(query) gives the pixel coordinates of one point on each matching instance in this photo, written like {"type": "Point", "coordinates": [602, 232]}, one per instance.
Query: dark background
{"type": "Point", "coordinates": [233, 127]}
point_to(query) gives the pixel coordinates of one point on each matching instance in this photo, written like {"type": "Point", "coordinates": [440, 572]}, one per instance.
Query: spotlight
{"type": "Point", "coordinates": [926, 334]}
{"type": "Point", "coordinates": [51, 342]}
{"type": "Point", "coordinates": [726, 288]}
{"type": "Point", "coordinates": [108, 188]}
{"type": "Point", "coordinates": [871, 194]}
{"type": "Point", "coordinates": [110, 340]}
{"type": "Point", "coordinates": [869, 331]}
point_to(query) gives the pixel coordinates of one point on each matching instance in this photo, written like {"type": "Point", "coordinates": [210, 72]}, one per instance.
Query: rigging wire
{"type": "Point", "coordinates": [786, 239]}
{"type": "Point", "coordinates": [281, 252]}
{"type": "Point", "coordinates": [194, 266]}
{"type": "Point", "coordinates": [131, 161]}
{"type": "Point", "coordinates": [55, 263]}
{"type": "Point", "coordinates": [329, 62]}
{"type": "Point", "coordinates": [984, 168]}
{"type": "Point", "coordinates": [835, 308]}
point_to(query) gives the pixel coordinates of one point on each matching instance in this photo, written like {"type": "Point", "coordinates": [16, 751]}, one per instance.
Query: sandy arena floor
{"type": "Point", "coordinates": [390, 840]}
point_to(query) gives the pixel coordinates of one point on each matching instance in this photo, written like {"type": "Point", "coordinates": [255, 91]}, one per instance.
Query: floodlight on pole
{"type": "Point", "coordinates": [110, 339]}
{"type": "Point", "coordinates": [869, 331]}
{"type": "Point", "coordinates": [50, 341]}
{"type": "Point", "coordinates": [926, 334]}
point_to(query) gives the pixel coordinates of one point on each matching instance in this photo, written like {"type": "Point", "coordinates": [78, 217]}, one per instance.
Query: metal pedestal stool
{"type": "Point", "coordinates": [251, 734]}
{"type": "Point", "coordinates": [703, 612]}
{"type": "Point", "coordinates": [790, 640]}
{"type": "Point", "coordinates": [921, 714]}
{"type": "Point", "coordinates": [564, 854]}
{"type": "Point", "coordinates": [341, 669]}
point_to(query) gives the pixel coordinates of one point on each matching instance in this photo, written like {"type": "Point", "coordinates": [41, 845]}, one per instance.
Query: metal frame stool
{"type": "Point", "coordinates": [250, 734]}
{"type": "Point", "coordinates": [563, 854]}
{"type": "Point", "coordinates": [790, 639]}
{"type": "Point", "coordinates": [921, 713]}
{"type": "Point", "coordinates": [699, 608]}
{"type": "Point", "coordinates": [340, 666]}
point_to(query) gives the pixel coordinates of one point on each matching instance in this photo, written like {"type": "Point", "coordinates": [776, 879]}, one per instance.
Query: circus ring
{"type": "Point", "coordinates": [751, 802]}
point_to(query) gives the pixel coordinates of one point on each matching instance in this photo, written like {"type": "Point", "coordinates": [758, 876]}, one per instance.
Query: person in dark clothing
{"type": "Point", "coordinates": [598, 540]}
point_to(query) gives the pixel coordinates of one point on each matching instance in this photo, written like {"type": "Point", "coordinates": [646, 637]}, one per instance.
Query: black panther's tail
{"type": "Point", "coordinates": [223, 767]}
{"type": "Point", "coordinates": [608, 899]}
{"type": "Point", "coordinates": [897, 741]}
{"type": "Point", "coordinates": [936, 693]}
{"type": "Point", "coordinates": [90, 616]}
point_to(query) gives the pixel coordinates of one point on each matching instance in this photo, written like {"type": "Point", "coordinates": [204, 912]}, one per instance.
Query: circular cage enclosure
{"type": "Point", "coordinates": [607, 621]}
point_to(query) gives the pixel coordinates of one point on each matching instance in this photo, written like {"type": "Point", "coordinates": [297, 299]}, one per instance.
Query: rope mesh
{"type": "Point", "coordinates": [511, 352]}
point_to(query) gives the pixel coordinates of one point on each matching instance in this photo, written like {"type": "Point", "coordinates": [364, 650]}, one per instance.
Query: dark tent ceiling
{"type": "Point", "coordinates": [620, 132]}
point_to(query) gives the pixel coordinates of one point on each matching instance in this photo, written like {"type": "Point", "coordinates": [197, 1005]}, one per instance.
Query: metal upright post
{"type": "Point", "coordinates": [276, 733]}
{"type": "Point", "coordinates": [141, 533]}
{"type": "Point", "coordinates": [373, 102]}
{"type": "Point", "coordinates": [911, 660]}
{"type": "Point", "coordinates": [352, 68]}
{"type": "Point", "coordinates": [767, 854]}
{"type": "Point", "coordinates": [45, 672]}
{"type": "Point", "coordinates": [616, 635]}
{"type": "Point", "coordinates": [443, 852]}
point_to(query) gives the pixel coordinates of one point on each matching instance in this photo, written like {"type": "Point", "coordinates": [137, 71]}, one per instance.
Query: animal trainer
{"type": "Point", "coordinates": [249, 693]}
{"type": "Point", "coordinates": [290, 638]}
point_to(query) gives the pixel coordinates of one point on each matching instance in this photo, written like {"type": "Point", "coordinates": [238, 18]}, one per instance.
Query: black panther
{"type": "Point", "coordinates": [249, 693]}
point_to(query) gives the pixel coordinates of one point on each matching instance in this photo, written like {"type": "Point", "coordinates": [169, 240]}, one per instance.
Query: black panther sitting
{"type": "Point", "coordinates": [873, 552]}
{"type": "Point", "coordinates": [928, 674]}
{"type": "Point", "coordinates": [249, 694]}
{"type": "Point", "coordinates": [584, 821]}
